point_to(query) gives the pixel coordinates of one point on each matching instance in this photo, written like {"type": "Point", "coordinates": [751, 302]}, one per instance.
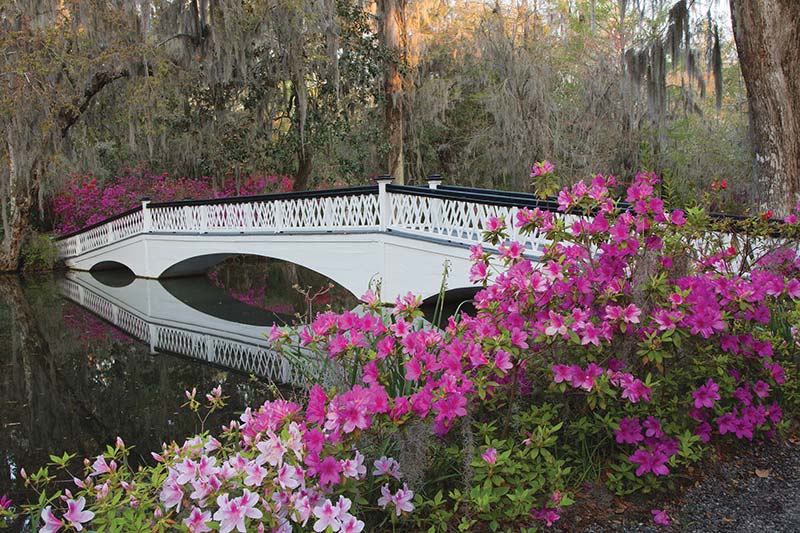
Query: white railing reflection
{"type": "Point", "coordinates": [198, 341]}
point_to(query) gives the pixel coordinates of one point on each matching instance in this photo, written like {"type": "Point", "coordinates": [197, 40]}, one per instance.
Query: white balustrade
{"type": "Point", "coordinates": [408, 212]}
{"type": "Point", "coordinates": [459, 221]}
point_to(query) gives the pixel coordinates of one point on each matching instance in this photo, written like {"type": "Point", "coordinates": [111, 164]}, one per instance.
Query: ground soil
{"type": "Point", "coordinates": [746, 489]}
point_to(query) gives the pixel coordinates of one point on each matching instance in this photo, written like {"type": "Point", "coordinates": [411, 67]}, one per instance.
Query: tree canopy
{"type": "Point", "coordinates": [337, 91]}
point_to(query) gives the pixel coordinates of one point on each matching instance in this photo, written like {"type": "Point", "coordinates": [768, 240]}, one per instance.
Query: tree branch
{"type": "Point", "coordinates": [70, 115]}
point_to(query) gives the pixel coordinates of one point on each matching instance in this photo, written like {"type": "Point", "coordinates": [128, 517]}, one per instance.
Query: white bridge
{"type": "Point", "coordinates": [146, 311]}
{"type": "Point", "coordinates": [403, 236]}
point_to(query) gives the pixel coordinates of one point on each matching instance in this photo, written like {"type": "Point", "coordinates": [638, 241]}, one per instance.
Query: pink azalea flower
{"type": "Point", "coordinates": [542, 167]}
{"type": "Point", "coordinates": [351, 524]}
{"type": "Point", "coordinates": [171, 493]}
{"type": "Point", "coordinates": [706, 395]}
{"type": "Point", "coordinates": [232, 513]}
{"type": "Point", "coordinates": [386, 466]}
{"type": "Point", "coordinates": [50, 524]}
{"type": "Point", "coordinates": [402, 500]}
{"type": "Point", "coordinates": [630, 431]}
{"type": "Point", "coordinates": [761, 389]}
{"type": "Point", "coordinates": [660, 517]}
{"type": "Point", "coordinates": [75, 514]}
{"type": "Point", "coordinates": [502, 360]}
{"type": "Point", "coordinates": [254, 474]}
{"type": "Point", "coordinates": [327, 516]}
{"type": "Point", "coordinates": [561, 373]}
{"type": "Point", "coordinates": [655, 462]}
{"type": "Point", "coordinates": [490, 456]}
{"type": "Point", "coordinates": [196, 521]}
{"type": "Point", "coordinates": [329, 470]}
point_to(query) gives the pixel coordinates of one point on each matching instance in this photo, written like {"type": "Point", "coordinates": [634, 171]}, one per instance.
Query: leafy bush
{"type": "Point", "coordinates": [39, 253]}
{"type": "Point", "coordinates": [639, 337]}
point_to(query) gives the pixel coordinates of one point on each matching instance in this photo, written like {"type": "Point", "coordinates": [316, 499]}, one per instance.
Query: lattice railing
{"type": "Point", "coordinates": [108, 232]}
{"type": "Point", "coordinates": [339, 209]}
{"type": "Point", "coordinates": [455, 220]}
{"type": "Point", "coordinates": [453, 214]}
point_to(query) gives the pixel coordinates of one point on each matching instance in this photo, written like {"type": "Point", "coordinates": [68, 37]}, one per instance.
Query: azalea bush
{"type": "Point", "coordinates": [640, 337]}
{"type": "Point", "coordinates": [84, 201]}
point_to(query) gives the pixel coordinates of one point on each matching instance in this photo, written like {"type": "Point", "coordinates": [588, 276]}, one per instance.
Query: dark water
{"type": "Point", "coordinates": [70, 381]}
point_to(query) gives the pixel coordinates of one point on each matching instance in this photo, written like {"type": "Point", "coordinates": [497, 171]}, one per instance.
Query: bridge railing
{"type": "Point", "coordinates": [461, 215]}
{"type": "Point", "coordinates": [108, 231]}
{"type": "Point", "coordinates": [328, 210]}
{"type": "Point", "coordinates": [454, 214]}
{"type": "Point", "coordinates": [353, 208]}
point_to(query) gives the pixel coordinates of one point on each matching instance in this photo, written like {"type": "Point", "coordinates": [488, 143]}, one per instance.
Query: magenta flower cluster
{"type": "Point", "coordinates": [85, 201]}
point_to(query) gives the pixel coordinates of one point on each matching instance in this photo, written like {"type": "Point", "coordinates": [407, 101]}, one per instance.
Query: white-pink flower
{"type": "Point", "coordinates": [402, 500]}
{"type": "Point", "coordinates": [354, 468]}
{"type": "Point", "coordinates": [386, 465]}
{"type": "Point", "coordinates": [75, 514]}
{"type": "Point", "coordinates": [288, 477]}
{"type": "Point", "coordinates": [196, 521]}
{"type": "Point", "coordinates": [351, 524]}
{"type": "Point", "coordinates": [232, 513]}
{"type": "Point", "coordinates": [171, 493]}
{"type": "Point", "coordinates": [100, 466]}
{"type": "Point", "coordinates": [327, 516]}
{"type": "Point", "coordinates": [255, 474]}
{"type": "Point", "coordinates": [50, 523]}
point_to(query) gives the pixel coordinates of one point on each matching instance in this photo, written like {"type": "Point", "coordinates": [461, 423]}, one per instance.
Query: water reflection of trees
{"type": "Point", "coordinates": [65, 390]}
{"type": "Point", "coordinates": [281, 287]}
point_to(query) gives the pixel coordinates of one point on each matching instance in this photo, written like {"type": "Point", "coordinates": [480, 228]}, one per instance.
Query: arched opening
{"type": "Point", "coordinates": [438, 308]}
{"type": "Point", "coordinates": [112, 274]}
{"type": "Point", "coordinates": [256, 290]}
{"type": "Point", "coordinates": [194, 266]}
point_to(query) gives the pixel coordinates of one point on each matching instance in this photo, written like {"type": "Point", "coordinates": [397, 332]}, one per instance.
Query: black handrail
{"type": "Point", "coordinates": [298, 195]}
{"type": "Point", "coordinates": [490, 197]}
{"type": "Point", "coordinates": [98, 224]}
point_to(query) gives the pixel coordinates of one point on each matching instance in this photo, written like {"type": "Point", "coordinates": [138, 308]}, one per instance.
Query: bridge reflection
{"type": "Point", "coordinates": [149, 311]}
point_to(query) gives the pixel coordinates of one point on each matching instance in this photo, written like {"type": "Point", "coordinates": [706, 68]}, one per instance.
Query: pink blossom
{"type": "Point", "coordinates": [490, 456]}
{"type": "Point", "coordinates": [75, 514]}
{"type": "Point", "coordinates": [542, 167]}
{"type": "Point", "coordinates": [232, 513]}
{"type": "Point", "coordinates": [50, 523]}
{"type": "Point", "coordinates": [386, 466]}
{"type": "Point", "coordinates": [329, 470]}
{"type": "Point", "coordinates": [706, 395]}
{"type": "Point", "coordinates": [655, 462]}
{"type": "Point", "coordinates": [660, 517]}
{"type": "Point", "coordinates": [630, 431]}
{"type": "Point", "coordinates": [351, 524]}
{"type": "Point", "coordinates": [327, 516]}
{"type": "Point", "coordinates": [196, 521]}
{"type": "Point", "coordinates": [171, 493]}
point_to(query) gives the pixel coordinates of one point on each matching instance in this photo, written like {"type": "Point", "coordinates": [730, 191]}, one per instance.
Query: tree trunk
{"type": "Point", "coordinates": [392, 24]}
{"type": "Point", "coordinates": [304, 167]}
{"type": "Point", "coordinates": [767, 34]}
{"type": "Point", "coordinates": [22, 192]}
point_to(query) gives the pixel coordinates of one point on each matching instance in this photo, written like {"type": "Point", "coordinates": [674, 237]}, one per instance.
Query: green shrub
{"type": "Point", "coordinates": [39, 253]}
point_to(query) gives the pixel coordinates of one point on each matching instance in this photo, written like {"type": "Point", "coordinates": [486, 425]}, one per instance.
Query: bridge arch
{"type": "Point", "coordinates": [350, 266]}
